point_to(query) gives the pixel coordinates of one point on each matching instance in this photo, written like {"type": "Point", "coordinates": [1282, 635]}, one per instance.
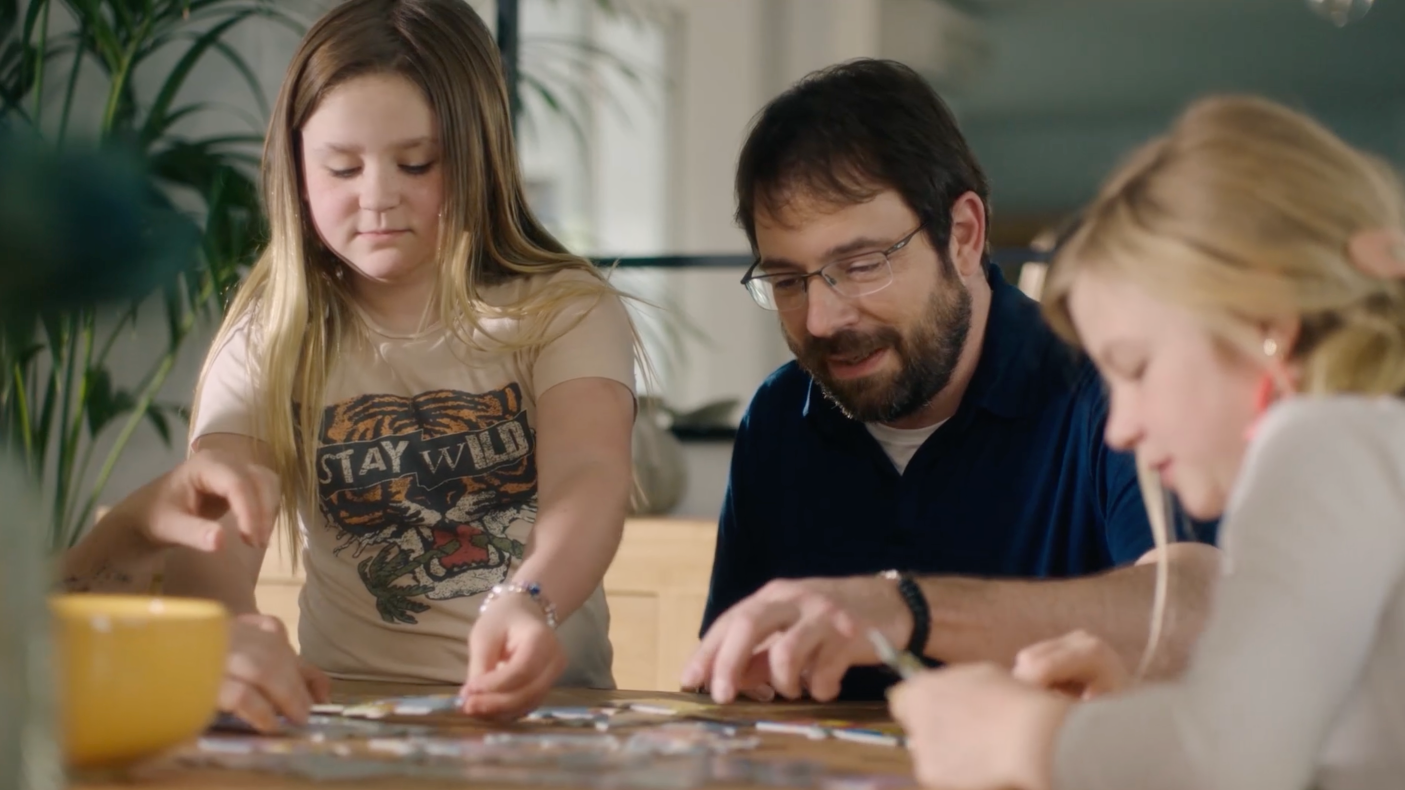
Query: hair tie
{"type": "Point", "coordinates": [1379, 252]}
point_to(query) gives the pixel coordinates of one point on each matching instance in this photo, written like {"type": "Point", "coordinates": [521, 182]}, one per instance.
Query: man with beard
{"type": "Point", "coordinates": [932, 463]}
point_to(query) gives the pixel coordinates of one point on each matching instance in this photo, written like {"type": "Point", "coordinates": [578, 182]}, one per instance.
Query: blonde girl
{"type": "Point", "coordinates": [1240, 284]}
{"type": "Point", "coordinates": [445, 393]}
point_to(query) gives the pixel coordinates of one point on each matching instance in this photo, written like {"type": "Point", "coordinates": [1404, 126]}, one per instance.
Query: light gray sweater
{"type": "Point", "coordinates": [1299, 678]}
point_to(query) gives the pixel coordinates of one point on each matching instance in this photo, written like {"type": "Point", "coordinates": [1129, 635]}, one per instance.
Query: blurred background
{"type": "Point", "coordinates": [632, 114]}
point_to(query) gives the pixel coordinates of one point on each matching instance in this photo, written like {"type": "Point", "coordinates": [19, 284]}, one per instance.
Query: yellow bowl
{"type": "Point", "coordinates": [136, 675]}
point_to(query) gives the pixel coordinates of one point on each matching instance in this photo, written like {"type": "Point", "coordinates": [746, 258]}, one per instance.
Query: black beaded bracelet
{"type": "Point", "coordinates": [921, 613]}
{"type": "Point", "coordinates": [916, 603]}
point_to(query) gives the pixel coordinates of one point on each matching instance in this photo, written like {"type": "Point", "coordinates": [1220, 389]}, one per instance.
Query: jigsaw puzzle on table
{"type": "Point", "coordinates": [632, 744]}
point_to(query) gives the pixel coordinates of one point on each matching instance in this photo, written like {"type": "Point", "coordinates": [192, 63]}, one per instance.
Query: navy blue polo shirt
{"type": "Point", "coordinates": [1018, 483]}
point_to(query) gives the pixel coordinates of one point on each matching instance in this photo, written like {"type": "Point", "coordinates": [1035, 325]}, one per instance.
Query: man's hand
{"type": "Point", "coordinates": [184, 506]}
{"type": "Point", "coordinates": [192, 506]}
{"type": "Point", "coordinates": [795, 636]}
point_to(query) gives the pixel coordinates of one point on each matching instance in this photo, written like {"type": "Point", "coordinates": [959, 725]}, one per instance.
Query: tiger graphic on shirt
{"type": "Point", "coordinates": [423, 490]}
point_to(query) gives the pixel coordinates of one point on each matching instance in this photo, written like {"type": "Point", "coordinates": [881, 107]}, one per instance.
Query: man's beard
{"type": "Point", "coordinates": [927, 357]}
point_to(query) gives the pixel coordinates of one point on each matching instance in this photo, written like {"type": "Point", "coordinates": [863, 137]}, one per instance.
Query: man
{"type": "Point", "coordinates": [931, 426]}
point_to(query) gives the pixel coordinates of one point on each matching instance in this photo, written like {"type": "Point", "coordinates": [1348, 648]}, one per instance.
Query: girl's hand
{"type": "Point", "coordinates": [514, 657]}
{"type": "Point", "coordinates": [1078, 664]}
{"type": "Point", "coordinates": [974, 727]}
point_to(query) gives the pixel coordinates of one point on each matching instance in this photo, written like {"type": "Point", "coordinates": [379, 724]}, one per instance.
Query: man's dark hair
{"type": "Point", "coordinates": [848, 132]}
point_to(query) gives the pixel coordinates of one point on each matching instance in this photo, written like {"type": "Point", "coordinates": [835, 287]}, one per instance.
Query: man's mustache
{"type": "Point", "coordinates": [850, 344]}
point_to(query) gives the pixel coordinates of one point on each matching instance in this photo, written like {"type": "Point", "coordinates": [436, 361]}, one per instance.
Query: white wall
{"type": "Point", "coordinates": [733, 57]}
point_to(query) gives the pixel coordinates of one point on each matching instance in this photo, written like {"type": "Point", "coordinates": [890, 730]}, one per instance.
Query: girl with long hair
{"type": "Point", "coordinates": [445, 392]}
{"type": "Point", "coordinates": [1240, 284]}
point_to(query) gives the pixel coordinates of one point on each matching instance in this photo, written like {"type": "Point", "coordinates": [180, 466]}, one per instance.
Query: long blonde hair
{"type": "Point", "coordinates": [296, 304]}
{"type": "Point", "coordinates": [1243, 213]}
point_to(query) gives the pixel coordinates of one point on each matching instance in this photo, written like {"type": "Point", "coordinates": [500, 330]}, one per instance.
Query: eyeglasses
{"type": "Point", "coordinates": [852, 277]}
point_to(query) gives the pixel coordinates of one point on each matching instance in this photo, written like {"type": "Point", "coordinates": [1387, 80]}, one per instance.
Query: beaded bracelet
{"type": "Point", "coordinates": [916, 602]}
{"type": "Point", "coordinates": [531, 589]}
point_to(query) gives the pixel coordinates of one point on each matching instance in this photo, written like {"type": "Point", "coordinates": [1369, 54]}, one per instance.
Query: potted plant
{"type": "Point", "coordinates": [57, 391]}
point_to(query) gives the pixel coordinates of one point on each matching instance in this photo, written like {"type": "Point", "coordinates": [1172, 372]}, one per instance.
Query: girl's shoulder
{"type": "Point", "coordinates": [1344, 427]}
{"type": "Point", "coordinates": [234, 339]}
{"type": "Point", "coordinates": [567, 283]}
{"type": "Point", "coordinates": [1354, 414]}
{"type": "Point", "coordinates": [543, 305]}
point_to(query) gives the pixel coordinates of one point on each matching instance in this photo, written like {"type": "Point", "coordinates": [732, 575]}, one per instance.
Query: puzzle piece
{"type": "Point", "coordinates": [318, 727]}
{"type": "Point", "coordinates": [877, 733]}
{"type": "Point", "coordinates": [672, 707]}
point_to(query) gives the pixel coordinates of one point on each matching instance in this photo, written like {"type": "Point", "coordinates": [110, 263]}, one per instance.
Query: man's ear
{"type": "Point", "coordinates": [966, 247]}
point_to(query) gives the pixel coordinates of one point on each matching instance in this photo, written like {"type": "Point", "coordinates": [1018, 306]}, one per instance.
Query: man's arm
{"type": "Point", "coordinates": [229, 573]}
{"type": "Point", "coordinates": [738, 567]}
{"type": "Point", "coordinates": [992, 620]}
{"type": "Point", "coordinates": [811, 631]}
{"type": "Point", "coordinates": [113, 558]}
{"type": "Point", "coordinates": [127, 547]}
{"type": "Point", "coordinates": [213, 502]}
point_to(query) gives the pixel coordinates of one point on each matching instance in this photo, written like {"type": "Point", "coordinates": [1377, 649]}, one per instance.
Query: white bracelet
{"type": "Point", "coordinates": [531, 589]}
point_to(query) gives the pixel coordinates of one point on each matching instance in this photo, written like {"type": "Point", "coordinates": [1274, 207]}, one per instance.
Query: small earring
{"type": "Point", "coordinates": [1267, 390]}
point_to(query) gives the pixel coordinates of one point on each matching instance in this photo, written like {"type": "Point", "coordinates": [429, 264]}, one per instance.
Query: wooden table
{"type": "Point", "coordinates": [840, 756]}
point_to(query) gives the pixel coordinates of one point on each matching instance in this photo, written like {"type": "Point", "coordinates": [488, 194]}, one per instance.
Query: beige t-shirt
{"type": "Point", "coordinates": [427, 486]}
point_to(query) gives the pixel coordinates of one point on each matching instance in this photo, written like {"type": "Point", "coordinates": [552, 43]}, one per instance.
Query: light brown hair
{"type": "Point", "coordinates": [295, 303]}
{"type": "Point", "coordinates": [1242, 213]}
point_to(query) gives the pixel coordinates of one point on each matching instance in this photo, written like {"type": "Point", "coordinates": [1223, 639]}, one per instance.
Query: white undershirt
{"type": "Point", "coordinates": [1299, 677]}
{"type": "Point", "coordinates": [901, 443]}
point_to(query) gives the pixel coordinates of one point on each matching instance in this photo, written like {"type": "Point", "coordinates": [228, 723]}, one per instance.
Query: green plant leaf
{"type": "Point", "coordinates": [102, 402]}
{"type": "Point", "coordinates": [173, 26]}
{"type": "Point", "coordinates": [250, 78]}
{"type": "Point", "coordinates": [16, 79]}
{"type": "Point", "coordinates": [19, 63]}
{"type": "Point", "coordinates": [173, 409]}
{"type": "Point", "coordinates": [548, 96]}
{"type": "Point", "coordinates": [203, 167]}
{"type": "Point", "coordinates": [234, 232]}
{"type": "Point", "coordinates": [31, 20]}
{"type": "Point", "coordinates": [231, 140]}
{"type": "Point", "coordinates": [218, 171]}
{"type": "Point", "coordinates": [157, 417]}
{"type": "Point", "coordinates": [186, 110]}
{"type": "Point", "coordinates": [9, 15]}
{"type": "Point", "coordinates": [125, 17]}
{"type": "Point", "coordinates": [568, 63]}
{"type": "Point", "coordinates": [29, 353]}
{"type": "Point", "coordinates": [180, 410]}
{"type": "Point", "coordinates": [585, 52]}
{"type": "Point", "coordinates": [180, 71]}
{"type": "Point", "coordinates": [103, 40]}
{"type": "Point", "coordinates": [180, 113]}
